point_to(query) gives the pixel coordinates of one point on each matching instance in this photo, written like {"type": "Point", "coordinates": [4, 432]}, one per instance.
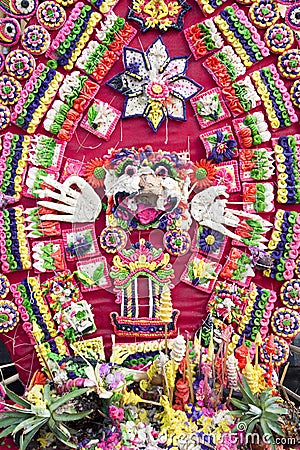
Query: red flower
{"type": "Point", "coordinates": [203, 175]}
{"type": "Point", "coordinates": [94, 172]}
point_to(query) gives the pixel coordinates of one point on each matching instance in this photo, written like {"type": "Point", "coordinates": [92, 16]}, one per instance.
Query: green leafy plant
{"type": "Point", "coordinates": [27, 418]}
{"type": "Point", "coordinates": [260, 411]}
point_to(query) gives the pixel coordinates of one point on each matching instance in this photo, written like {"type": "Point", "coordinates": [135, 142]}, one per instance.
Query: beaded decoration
{"type": "Point", "coordinates": [56, 346]}
{"type": "Point", "coordinates": [112, 239]}
{"type": "Point", "coordinates": [209, 242]}
{"type": "Point", "coordinates": [48, 256]}
{"type": "Point", "coordinates": [34, 310]}
{"type": "Point", "coordinates": [285, 323]}
{"type": "Point", "coordinates": [158, 197]}
{"type": "Point", "coordinates": [46, 152]}
{"type": "Point", "coordinates": [90, 348]}
{"type": "Point", "coordinates": [284, 245]}
{"type": "Point", "coordinates": [256, 164]}
{"type": "Point", "coordinates": [244, 38]}
{"type": "Point", "coordinates": [65, 114]}
{"type": "Point", "coordinates": [19, 64]}
{"type": "Point", "coordinates": [252, 130]}
{"type": "Point", "coordinates": [35, 181]}
{"type": "Point", "coordinates": [201, 273]}
{"type": "Point", "coordinates": [258, 197]}
{"type": "Point", "coordinates": [10, 90]}
{"type": "Point", "coordinates": [93, 274]}
{"type": "Point", "coordinates": [264, 13]}
{"type": "Point", "coordinates": [35, 39]}
{"type": "Point", "coordinates": [154, 84]}
{"type": "Point", "coordinates": [292, 17]}
{"type": "Point", "coordinates": [72, 314]}
{"type": "Point", "coordinates": [210, 107]}
{"type": "Point", "coordinates": [295, 93]}
{"type": "Point", "coordinates": [281, 355]}
{"type": "Point", "coordinates": [227, 175]}
{"type": "Point", "coordinates": [238, 268]}
{"type": "Point", "coordinates": [36, 227]}
{"type": "Point", "coordinates": [9, 316]}
{"type": "Point", "coordinates": [4, 286]}
{"type": "Point", "coordinates": [36, 97]}
{"type": "Point", "coordinates": [80, 242]}
{"type": "Point", "coordinates": [10, 31]}
{"type": "Point", "coordinates": [13, 161]}
{"type": "Point", "coordinates": [73, 36]}
{"type": "Point", "coordinates": [290, 294]}
{"type": "Point", "coordinates": [220, 144]}
{"type": "Point", "coordinates": [19, 9]}
{"type": "Point", "coordinates": [279, 38]}
{"type": "Point", "coordinates": [209, 6]}
{"type": "Point", "coordinates": [289, 64]}
{"type": "Point", "coordinates": [101, 119]}
{"type": "Point", "coordinates": [105, 6]}
{"type": "Point", "coordinates": [164, 15]}
{"type": "Point", "coordinates": [287, 154]}
{"type": "Point", "coordinates": [98, 58]}
{"type": "Point", "coordinates": [4, 117]}
{"type": "Point", "coordinates": [257, 314]}
{"type": "Point", "coordinates": [177, 242]}
{"type": "Point", "coordinates": [143, 260]}
{"type": "Point", "coordinates": [14, 246]}
{"type": "Point", "coordinates": [225, 66]}
{"type": "Point", "coordinates": [51, 15]}
{"type": "Point", "coordinates": [275, 97]}
{"type": "Point", "coordinates": [203, 38]}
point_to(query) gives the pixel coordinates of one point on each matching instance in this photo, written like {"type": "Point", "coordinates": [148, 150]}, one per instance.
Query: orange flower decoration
{"type": "Point", "coordinates": [203, 175]}
{"type": "Point", "coordinates": [94, 172]}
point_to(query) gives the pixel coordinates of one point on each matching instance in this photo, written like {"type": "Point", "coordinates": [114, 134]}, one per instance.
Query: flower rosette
{"type": "Point", "coordinates": [20, 64]}
{"type": "Point", "coordinates": [51, 15]}
{"type": "Point", "coordinates": [281, 354]}
{"type": "Point", "coordinates": [35, 39]}
{"type": "Point", "coordinates": [209, 242]}
{"type": "Point", "coordinates": [290, 294]}
{"type": "Point", "coordinates": [285, 323]}
{"type": "Point", "coordinates": [203, 174]}
{"type": "Point", "coordinates": [10, 90]}
{"type": "Point", "coordinates": [292, 16]}
{"type": "Point", "coordinates": [9, 316]}
{"type": "Point", "coordinates": [289, 64]}
{"type": "Point", "coordinates": [112, 239]}
{"type": "Point", "coordinates": [279, 38]}
{"type": "Point", "coordinates": [177, 242]}
{"type": "Point", "coordinates": [264, 13]}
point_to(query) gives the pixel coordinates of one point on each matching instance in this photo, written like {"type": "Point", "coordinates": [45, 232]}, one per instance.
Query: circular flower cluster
{"type": "Point", "coordinates": [112, 239]}
{"type": "Point", "coordinates": [285, 323]}
{"type": "Point", "coordinates": [10, 90]}
{"type": "Point", "coordinates": [19, 64]}
{"type": "Point", "coordinates": [209, 241]}
{"type": "Point", "coordinates": [292, 17]}
{"type": "Point", "coordinates": [290, 294]}
{"type": "Point", "coordinates": [177, 242]}
{"type": "Point", "coordinates": [9, 316]}
{"type": "Point", "coordinates": [295, 93]}
{"type": "Point", "coordinates": [4, 286]}
{"type": "Point", "coordinates": [264, 13]}
{"type": "Point", "coordinates": [279, 38]}
{"type": "Point", "coordinates": [94, 172]}
{"type": "Point", "coordinates": [35, 39]}
{"type": "Point", "coordinates": [281, 354]}
{"type": "Point", "coordinates": [4, 117]}
{"type": "Point", "coordinates": [51, 15]}
{"type": "Point", "coordinates": [289, 64]}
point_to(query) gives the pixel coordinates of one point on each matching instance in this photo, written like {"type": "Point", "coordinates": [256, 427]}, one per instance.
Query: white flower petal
{"type": "Point", "coordinates": [157, 54]}
{"type": "Point", "coordinates": [135, 62]}
{"type": "Point", "coordinates": [135, 106]}
{"type": "Point", "coordinates": [185, 88]}
{"type": "Point", "coordinates": [176, 108]}
{"type": "Point", "coordinates": [176, 67]}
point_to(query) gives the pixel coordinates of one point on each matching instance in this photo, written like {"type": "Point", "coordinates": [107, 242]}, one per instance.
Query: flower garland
{"type": "Point", "coordinates": [14, 246]}
{"type": "Point", "coordinates": [65, 114]}
{"type": "Point", "coordinates": [284, 245]}
{"type": "Point", "coordinates": [287, 153]}
{"type": "Point", "coordinates": [256, 164]}
{"type": "Point", "coordinates": [209, 6]}
{"type": "Point", "coordinates": [13, 162]}
{"type": "Point", "coordinates": [73, 36]}
{"type": "Point", "coordinates": [36, 97]}
{"type": "Point", "coordinates": [275, 97]}
{"type": "Point", "coordinates": [203, 38]}
{"type": "Point", "coordinates": [244, 38]}
{"type": "Point", "coordinates": [252, 130]}
{"type": "Point", "coordinates": [99, 57]}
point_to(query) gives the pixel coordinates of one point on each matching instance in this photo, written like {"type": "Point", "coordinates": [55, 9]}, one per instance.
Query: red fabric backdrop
{"type": "Point", "coordinates": [136, 132]}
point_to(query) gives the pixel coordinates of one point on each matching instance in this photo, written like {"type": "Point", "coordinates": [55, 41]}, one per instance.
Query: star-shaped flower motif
{"type": "Point", "coordinates": [154, 84]}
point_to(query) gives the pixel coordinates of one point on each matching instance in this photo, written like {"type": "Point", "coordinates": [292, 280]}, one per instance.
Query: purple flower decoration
{"type": "Point", "coordinates": [209, 241]}
{"type": "Point", "coordinates": [223, 147]}
{"type": "Point", "coordinates": [104, 370]}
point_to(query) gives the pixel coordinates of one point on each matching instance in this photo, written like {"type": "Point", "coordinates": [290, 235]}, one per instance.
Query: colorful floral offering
{"type": "Point", "coordinates": [275, 97]}
{"type": "Point", "coordinates": [48, 256]}
{"type": "Point", "coordinates": [46, 152]}
{"type": "Point", "coordinates": [290, 294]}
{"type": "Point", "coordinates": [101, 119]}
{"type": "Point", "coordinates": [238, 268]}
{"type": "Point", "coordinates": [225, 66]}
{"type": "Point", "coordinates": [209, 242]}
{"type": "Point", "coordinates": [244, 38]}
{"type": "Point", "coordinates": [210, 107]}
{"type": "Point", "coordinates": [20, 64]}
{"type": "Point", "coordinates": [51, 15]}
{"type": "Point", "coordinates": [279, 38]}
{"type": "Point", "coordinates": [287, 151]}
{"type": "Point", "coordinates": [177, 242]}
{"type": "Point", "coordinates": [203, 38]}
{"type": "Point", "coordinates": [289, 64]}
{"type": "Point", "coordinates": [281, 355]}
{"type": "Point", "coordinates": [9, 316]}
{"type": "Point", "coordinates": [264, 13]}
{"type": "Point", "coordinates": [104, 6]}
{"type": "Point", "coordinates": [285, 323]}
{"type": "Point", "coordinates": [220, 145]}
{"type": "Point", "coordinates": [112, 239]}
{"type": "Point", "coordinates": [35, 39]}
{"type": "Point", "coordinates": [201, 273]}
{"type": "Point", "coordinates": [256, 164]}
{"type": "Point", "coordinates": [80, 242]}
{"type": "Point", "coordinates": [258, 197]}
{"type": "Point", "coordinates": [10, 90]}
{"type": "Point", "coordinates": [252, 130]}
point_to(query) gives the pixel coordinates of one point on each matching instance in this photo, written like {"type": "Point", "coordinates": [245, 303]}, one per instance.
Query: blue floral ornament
{"type": "Point", "coordinates": [223, 147]}
{"type": "Point", "coordinates": [154, 84]}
